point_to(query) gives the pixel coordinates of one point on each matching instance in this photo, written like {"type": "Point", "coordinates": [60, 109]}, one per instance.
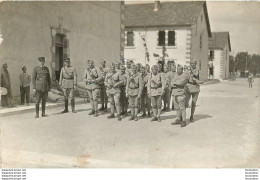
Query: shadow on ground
{"type": "Point", "coordinates": [199, 117]}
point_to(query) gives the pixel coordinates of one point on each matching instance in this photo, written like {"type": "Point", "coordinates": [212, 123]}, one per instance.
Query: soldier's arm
{"type": "Point", "coordinates": [120, 80]}
{"type": "Point", "coordinates": [100, 77]}
{"type": "Point", "coordinates": [75, 76]}
{"type": "Point", "coordinates": [61, 77]}
{"type": "Point", "coordinates": [20, 79]}
{"type": "Point", "coordinates": [34, 75]}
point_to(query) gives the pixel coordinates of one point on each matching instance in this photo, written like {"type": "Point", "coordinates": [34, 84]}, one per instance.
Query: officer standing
{"type": "Point", "coordinates": [41, 81]}
{"type": "Point", "coordinates": [145, 100]}
{"type": "Point", "coordinates": [169, 75]}
{"type": "Point", "coordinates": [128, 67]}
{"type": "Point", "coordinates": [25, 80]}
{"type": "Point", "coordinates": [193, 87]}
{"type": "Point", "coordinates": [68, 82]}
{"type": "Point", "coordinates": [178, 85]}
{"type": "Point", "coordinates": [155, 87]}
{"type": "Point", "coordinates": [113, 81]}
{"type": "Point", "coordinates": [250, 80]}
{"type": "Point", "coordinates": [134, 87]}
{"type": "Point", "coordinates": [92, 76]}
{"type": "Point", "coordinates": [103, 94]}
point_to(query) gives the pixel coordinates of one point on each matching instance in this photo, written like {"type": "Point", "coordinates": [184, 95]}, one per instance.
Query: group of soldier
{"type": "Point", "coordinates": [128, 87]}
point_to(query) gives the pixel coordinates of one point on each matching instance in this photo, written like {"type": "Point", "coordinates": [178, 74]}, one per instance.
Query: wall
{"type": "Point", "coordinates": [200, 54]}
{"type": "Point", "coordinates": [178, 53]}
{"type": "Point", "coordinates": [25, 27]}
{"type": "Point", "coordinates": [218, 58]}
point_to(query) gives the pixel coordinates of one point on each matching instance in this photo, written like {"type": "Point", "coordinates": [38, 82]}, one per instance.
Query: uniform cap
{"type": "Point", "coordinates": [41, 59]}
{"type": "Point", "coordinates": [67, 59]}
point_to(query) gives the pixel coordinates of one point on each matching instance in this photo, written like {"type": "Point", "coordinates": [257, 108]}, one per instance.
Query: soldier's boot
{"type": "Point", "coordinates": [193, 105]}
{"type": "Point", "coordinates": [112, 109]}
{"type": "Point", "coordinates": [92, 112]}
{"type": "Point", "coordinates": [43, 109]}
{"type": "Point", "coordinates": [144, 114]}
{"type": "Point", "coordinates": [92, 106]}
{"type": "Point", "coordinates": [159, 115]}
{"type": "Point", "coordinates": [96, 113]}
{"type": "Point", "coordinates": [154, 115]}
{"type": "Point", "coordinates": [37, 107]}
{"type": "Point", "coordinates": [118, 112]}
{"type": "Point", "coordinates": [96, 108]}
{"type": "Point", "coordinates": [66, 106]}
{"type": "Point", "coordinates": [132, 114]}
{"type": "Point", "coordinates": [136, 112]}
{"type": "Point", "coordinates": [73, 106]}
{"type": "Point", "coordinates": [178, 119]}
{"type": "Point", "coordinates": [112, 115]}
{"type": "Point", "coordinates": [183, 122]}
{"type": "Point", "coordinates": [164, 105]}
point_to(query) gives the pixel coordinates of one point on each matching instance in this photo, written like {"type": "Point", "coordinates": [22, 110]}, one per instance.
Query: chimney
{"type": "Point", "coordinates": [156, 6]}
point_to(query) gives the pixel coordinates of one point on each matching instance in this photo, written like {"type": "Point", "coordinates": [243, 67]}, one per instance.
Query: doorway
{"type": "Point", "coordinates": [59, 55]}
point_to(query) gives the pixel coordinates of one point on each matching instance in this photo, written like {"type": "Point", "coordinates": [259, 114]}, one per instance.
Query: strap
{"type": "Point", "coordinates": [91, 74]}
{"type": "Point", "coordinates": [68, 73]}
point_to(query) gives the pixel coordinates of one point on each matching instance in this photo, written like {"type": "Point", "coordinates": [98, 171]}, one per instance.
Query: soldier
{"type": "Point", "coordinates": [134, 87]}
{"type": "Point", "coordinates": [147, 68]}
{"type": "Point", "coordinates": [103, 94]}
{"type": "Point", "coordinates": [25, 80]}
{"type": "Point", "coordinates": [193, 87]}
{"type": "Point", "coordinates": [93, 77]}
{"type": "Point", "coordinates": [174, 72]}
{"type": "Point", "coordinates": [41, 81]}
{"type": "Point", "coordinates": [128, 67]}
{"type": "Point", "coordinates": [123, 99]}
{"type": "Point", "coordinates": [169, 75]}
{"type": "Point", "coordinates": [117, 65]}
{"type": "Point", "coordinates": [178, 84]}
{"type": "Point", "coordinates": [159, 65]}
{"type": "Point", "coordinates": [68, 82]}
{"type": "Point", "coordinates": [145, 100]}
{"type": "Point", "coordinates": [155, 87]}
{"type": "Point", "coordinates": [113, 81]}
{"type": "Point", "coordinates": [138, 67]}
{"type": "Point", "coordinates": [6, 100]}
{"type": "Point", "coordinates": [250, 80]}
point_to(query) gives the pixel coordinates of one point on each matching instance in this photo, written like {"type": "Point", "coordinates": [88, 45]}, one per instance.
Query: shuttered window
{"type": "Point", "coordinates": [161, 38]}
{"type": "Point", "coordinates": [171, 38]}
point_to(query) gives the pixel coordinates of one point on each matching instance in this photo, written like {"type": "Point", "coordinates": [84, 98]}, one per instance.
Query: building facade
{"type": "Point", "coordinates": [55, 30]}
{"type": "Point", "coordinates": [219, 48]}
{"type": "Point", "coordinates": [178, 32]}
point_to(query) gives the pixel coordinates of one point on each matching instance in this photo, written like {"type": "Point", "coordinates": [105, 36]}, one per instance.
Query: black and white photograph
{"type": "Point", "coordinates": [130, 84]}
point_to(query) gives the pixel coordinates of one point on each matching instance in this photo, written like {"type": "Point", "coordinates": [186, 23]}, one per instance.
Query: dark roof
{"type": "Point", "coordinates": [218, 40]}
{"type": "Point", "coordinates": [169, 14]}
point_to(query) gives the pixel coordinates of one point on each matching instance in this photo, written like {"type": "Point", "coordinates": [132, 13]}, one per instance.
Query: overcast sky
{"type": "Point", "coordinates": [241, 19]}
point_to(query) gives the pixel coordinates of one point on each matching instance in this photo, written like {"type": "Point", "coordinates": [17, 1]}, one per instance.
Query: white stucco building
{"type": "Point", "coordinates": [183, 28]}
{"type": "Point", "coordinates": [219, 48]}
{"type": "Point", "coordinates": [80, 30]}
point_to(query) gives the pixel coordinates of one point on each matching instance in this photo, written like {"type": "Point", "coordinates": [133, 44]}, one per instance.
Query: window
{"type": "Point", "coordinates": [171, 38]}
{"type": "Point", "coordinates": [200, 41]}
{"type": "Point", "coordinates": [211, 55]}
{"type": "Point", "coordinates": [161, 38]}
{"type": "Point", "coordinates": [130, 38]}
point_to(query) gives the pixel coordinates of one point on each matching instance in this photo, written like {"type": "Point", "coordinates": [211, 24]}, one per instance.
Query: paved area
{"type": "Point", "coordinates": [225, 134]}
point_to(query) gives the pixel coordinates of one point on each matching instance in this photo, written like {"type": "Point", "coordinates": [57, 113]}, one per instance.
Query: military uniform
{"type": "Point", "coordinates": [134, 87]}
{"type": "Point", "coordinates": [93, 77]}
{"type": "Point", "coordinates": [192, 89]}
{"type": "Point", "coordinates": [123, 98]}
{"type": "Point", "coordinates": [178, 92]}
{"type": "Point", "coordinates": [113, 81]}
{"type": "Point", "coordinates": [41, 82]}
{"type": "Point", "coordinates": [68, 81]}
{"type": "Point", "coordinates": [145, 99]}
{"type": "Point", "coordinates": [155, 87]}
{"type": "Point", "coordinates": [103, 93]}
{"type": "Point", "coordinates": [169, 75]}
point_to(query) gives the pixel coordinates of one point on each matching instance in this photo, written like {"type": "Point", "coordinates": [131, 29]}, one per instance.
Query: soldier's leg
{"type": "Point", "coordinates": [96, 95]}
{"type": "Point", "coordinates": [72, 101]}
{"type": "Point", "coordinates": [27, 93]}
{"type": "Point", "coordinates": [193, 105]}
{"type": "Point", "coordinates": [44, 99]}
{"type": "Point", "coordinates": [143, 103]}
{"type": "Point", "coordinates": [187, 99]}
{"type": "Point", "coordinates": [117, 104]}
{"type": "Point", "coordinates": [169, 94]}
{"type": "Point", "coordinates": [154, 107]}
{"type": "Point", "coordinates": [164, 101]}
{"type": "Point", "coordinates": [148, 104]}
{"type": "Point", "coordinates": [106, 99]}
{"type": "Point", "coordinates": [102, 98]}
{"type": "Point", "coordinates": [90, 95]}
{"type": "Point", "coordinates": [137, 107]}
{"type": "Point", "coordinates": [159, 106]}
{"type": "Point", "coordinates": [22, 95]}
{"type": "Point", "coordinates": [66, 100]}
{"type": "Point", "coordinates": [37, 103]}
{"type": "Point", "coordinates": [178, 112]}
{"type": "Point", "coordinates": [132, 107]}
{"type": "Point", "coordinates": [112, 106]}
{"type": "Point", "coordinates": [181, 102]}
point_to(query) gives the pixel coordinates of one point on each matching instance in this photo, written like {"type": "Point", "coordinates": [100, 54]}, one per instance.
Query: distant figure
{"type": "Point", "coordinates": [6, 100]}
{"type": "Point", "coordinates": [250, 80]}
{"type": "Point", "coordinates": [41, 81]}
{"type": "Point", "coordinates": [25, 80]}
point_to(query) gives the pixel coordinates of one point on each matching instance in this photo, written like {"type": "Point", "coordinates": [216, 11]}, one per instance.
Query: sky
{"type": "Point", "coordinates": [240, 18]}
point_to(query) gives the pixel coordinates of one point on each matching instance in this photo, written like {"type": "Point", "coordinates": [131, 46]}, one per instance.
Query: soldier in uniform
{"type": "Point", "coordinates": [178, 85]}
{"type": "Point", "coordinates": [118, 65]}
{"type": "Point", "coordinates": [41, 81]}
{"type": "Point", "coordinates": [113, 81]}
{"type": "Point", "coordinates": [155, 87]}
{"type": "Point", "coordinates": [123, 99]}
{"type": "Point", "coordinates": [174, 72]}
{"type": "Point", "coordinates": [68, 82]}
{"type": "Point", "coordinates": [92, 76]}
{"type": "Point", "coordinates": [145, 100]}
{"type": "Point", "coordinates": [169, 75]}
{"type": "Point", "coordinates": [159, 68]}
{"type": "Point", "coordinates": [147, 68]}
{"type": "Point", "coordinates": [103, 94]}
{"type": "Point", "coordinates": [193, 87]}
{"type": "Point", "coordinates": [128, 67]}
{"type": "Point", "coordinates": [134, 87]}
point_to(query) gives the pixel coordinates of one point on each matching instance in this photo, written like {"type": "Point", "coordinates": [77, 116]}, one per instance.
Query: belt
{"type": "Point", "coordinates": [134, 87]}
{"type": "Point", "coordinates": [156, 87]}
{"type": "Point", "coordinates": [178, 87]}
{"type": "Point", "coordinates": [69, 78]}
